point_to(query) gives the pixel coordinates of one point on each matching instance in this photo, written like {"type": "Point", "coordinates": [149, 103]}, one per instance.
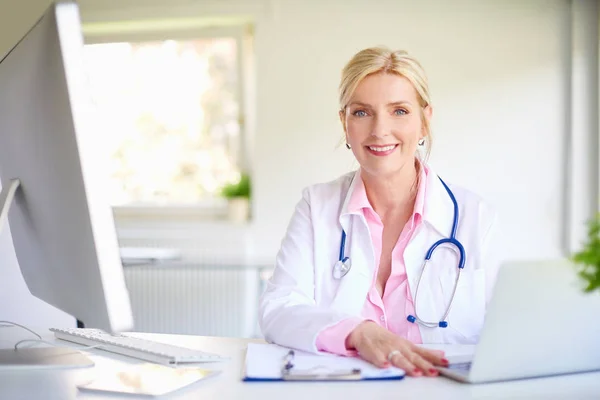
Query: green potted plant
{"type": "Point", "coordinates": [588, 259]}
{"type": "Point", "coordinates": [238, 198]}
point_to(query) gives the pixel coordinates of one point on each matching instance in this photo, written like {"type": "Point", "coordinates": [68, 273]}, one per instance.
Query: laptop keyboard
{"type": "Point", "coordinates": [465, 366]}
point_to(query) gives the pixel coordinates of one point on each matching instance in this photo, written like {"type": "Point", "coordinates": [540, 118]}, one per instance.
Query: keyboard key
{"type": "Point", "coordinates": [460, 366]}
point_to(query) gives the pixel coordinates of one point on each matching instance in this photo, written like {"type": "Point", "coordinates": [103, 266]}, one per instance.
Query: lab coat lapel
{"type": "Point", "coordinates": [344, 213]}
{"type": "Point", "coordinates": [353, 288]}
{"type": "Point", "coordinates": [438, 215]}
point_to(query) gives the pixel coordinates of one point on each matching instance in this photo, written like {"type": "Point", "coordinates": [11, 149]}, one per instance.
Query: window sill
{"type": "Point", "coordinates": [175, 221]}
{"type": "Point", "coordinates": [200, 233]}
{"type": "Point", "coordinates": [206, 211]}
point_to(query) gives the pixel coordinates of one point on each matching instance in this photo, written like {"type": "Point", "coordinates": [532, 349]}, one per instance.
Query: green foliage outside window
{"type": "Point", "coordinates": [239, 189]}
{"type": "Point", "coordinates": [588, 259]}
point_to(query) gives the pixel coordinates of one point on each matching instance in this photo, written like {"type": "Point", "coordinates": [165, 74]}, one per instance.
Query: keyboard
{"type": "Point", "coordinates": [142, 349]}
{"type": "Point", "coordinates": [464, 366]}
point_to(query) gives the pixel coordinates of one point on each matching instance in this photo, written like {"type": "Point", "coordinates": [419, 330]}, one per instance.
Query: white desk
{"type": "Point", "coordinates": [57, 384]}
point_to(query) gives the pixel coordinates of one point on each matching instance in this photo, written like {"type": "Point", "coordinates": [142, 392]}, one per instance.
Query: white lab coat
{"type": "Point", "coordinates": [302, 298]}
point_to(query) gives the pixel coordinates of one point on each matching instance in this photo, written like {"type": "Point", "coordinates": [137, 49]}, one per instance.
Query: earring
{"type": "Point", "coordinates": [421, 142]}
{"type": "Point", "coordinates": [348, 146]}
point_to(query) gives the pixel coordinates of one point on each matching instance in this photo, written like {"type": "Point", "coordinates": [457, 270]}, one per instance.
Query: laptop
{"type": "Point", "coordinates": [539, 322]}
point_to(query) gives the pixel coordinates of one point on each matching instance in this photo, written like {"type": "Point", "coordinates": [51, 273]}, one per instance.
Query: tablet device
{"type": "Point", "coordinates": [149, 380]}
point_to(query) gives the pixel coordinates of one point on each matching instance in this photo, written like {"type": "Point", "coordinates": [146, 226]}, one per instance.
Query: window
{"type": "Point", "coordinates": [175, 115]}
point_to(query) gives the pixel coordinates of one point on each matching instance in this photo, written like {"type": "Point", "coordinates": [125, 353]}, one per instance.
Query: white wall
{"type": "Point", "coordinates": [507, 80]}
{"type": "Point", "coordinates": [500, 75]}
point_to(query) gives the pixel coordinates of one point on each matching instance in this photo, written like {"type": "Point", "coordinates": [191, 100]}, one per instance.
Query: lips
{"type": "Point", "coordinates": [382, 150]}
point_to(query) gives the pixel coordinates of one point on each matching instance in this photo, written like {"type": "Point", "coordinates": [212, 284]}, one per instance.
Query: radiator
{"type": "Point", "coordinates": [196, 299]}
{"type": "Point", "coordinates": [213, 290]}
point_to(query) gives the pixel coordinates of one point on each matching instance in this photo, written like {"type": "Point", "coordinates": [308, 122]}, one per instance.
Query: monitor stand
{"type": "Point", "coordinates": [41, 357]}
{"type": "Point", "coordinates": [6, 198]}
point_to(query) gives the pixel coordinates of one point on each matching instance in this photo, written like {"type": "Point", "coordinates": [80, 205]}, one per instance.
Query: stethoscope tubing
{"type": "Point", "coordinates": [344, 264]}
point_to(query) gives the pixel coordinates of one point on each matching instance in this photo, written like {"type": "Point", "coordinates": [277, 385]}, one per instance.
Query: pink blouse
{"type": "Point", "coordinates": [391, 310]}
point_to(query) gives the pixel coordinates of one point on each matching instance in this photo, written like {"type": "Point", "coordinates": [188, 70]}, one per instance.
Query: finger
{"type": "Point", "coordinates": [435, 357]}
{"type": "Point", "coordinates": [374, 356]}
{"type": "Point", "coordinates": [400, 361]}
{"type": "Point", "coordinates": [422, 364]}
{"type": "Point", "coordinates": [379, 359]}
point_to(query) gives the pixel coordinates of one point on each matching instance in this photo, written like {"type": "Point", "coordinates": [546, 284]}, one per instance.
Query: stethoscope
{"type": "Point", "coordinates": [344, 264]}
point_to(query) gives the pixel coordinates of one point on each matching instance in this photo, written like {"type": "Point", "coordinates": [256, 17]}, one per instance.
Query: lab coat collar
{"type": "Point", "coordinates": [355, 179]}
{"type": "Point", "coordinates": [438, 209]}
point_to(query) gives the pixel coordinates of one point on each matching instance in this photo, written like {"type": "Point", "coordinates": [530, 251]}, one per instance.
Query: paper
{"type": "Point", "coordinates": [265, 361]}
{"type": "Point", "coordinates": [146, 379]}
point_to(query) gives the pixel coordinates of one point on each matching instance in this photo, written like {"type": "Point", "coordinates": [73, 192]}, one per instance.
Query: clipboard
{"type": "Point", "coordinates": [272, 363]}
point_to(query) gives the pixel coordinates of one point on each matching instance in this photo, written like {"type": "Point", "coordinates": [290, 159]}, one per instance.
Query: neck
{"type": "Point", "coordinates": [394, 194]}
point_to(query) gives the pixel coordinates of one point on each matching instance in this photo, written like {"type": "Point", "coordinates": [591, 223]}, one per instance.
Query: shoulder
{"type": "Point", "coordinates": [322, 201]}
{"type": "Point", "coordinates": [475, 206]}
{"type": "Point", "coordinates": [468, 196]}
{"type": "Point", "coordinates": [331, 190]}
{"type": "Point", "coordinates": [467, 199]}
{"type": "Point", "coordinates": [474, 209]}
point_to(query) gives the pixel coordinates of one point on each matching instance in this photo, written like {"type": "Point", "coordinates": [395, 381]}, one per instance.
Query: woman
{"type": "Point", "coordinates": [384, 217]}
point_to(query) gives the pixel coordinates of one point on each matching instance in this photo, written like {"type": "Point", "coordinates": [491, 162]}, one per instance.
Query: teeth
{"type": "Point", "coordinates": [385, 148]}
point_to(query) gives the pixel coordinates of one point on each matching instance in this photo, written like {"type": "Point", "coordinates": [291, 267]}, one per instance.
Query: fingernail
{"type": "Point", "coordinates": [386, 365]}
{"type": "Point", "coordinates": [433, 371]}
{"type": "Point", "coordinates": [417, 372]}
{"type": "Point", "coordinates": [444, 361]}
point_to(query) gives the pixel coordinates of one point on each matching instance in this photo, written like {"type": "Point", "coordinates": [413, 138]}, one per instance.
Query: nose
{"type": "Point", "coordinates": [381, 126]}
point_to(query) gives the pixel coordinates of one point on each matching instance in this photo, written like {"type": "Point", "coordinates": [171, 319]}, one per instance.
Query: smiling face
{"type": "Point", "coordinates": [383, 122]}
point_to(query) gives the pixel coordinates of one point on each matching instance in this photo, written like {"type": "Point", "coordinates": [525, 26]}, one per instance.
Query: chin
{"type": "Point", "coordinates": [381, 172]}
{"type": "Point", "coordinates": [384, 170]}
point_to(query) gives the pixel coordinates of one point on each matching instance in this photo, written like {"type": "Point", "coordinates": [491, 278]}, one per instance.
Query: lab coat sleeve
{"type": "Point", "coordinates": [288, 313]}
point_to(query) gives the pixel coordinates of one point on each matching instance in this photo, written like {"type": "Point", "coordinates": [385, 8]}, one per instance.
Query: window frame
{"type": "Point", "coordinates": [242, 32]}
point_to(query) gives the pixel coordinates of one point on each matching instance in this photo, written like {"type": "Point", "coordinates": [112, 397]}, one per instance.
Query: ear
{"type": "Point", "coordinates": [428, 112]}
{"type": "Point", "coordinates": [342, 116]}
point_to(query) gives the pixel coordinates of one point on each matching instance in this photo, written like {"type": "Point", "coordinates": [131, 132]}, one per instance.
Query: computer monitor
{"type": "Point", "coordinates": [61, 222]}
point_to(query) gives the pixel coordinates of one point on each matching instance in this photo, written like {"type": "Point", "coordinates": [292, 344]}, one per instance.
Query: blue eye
{"type": "Point", "coordinates": [359, 113]}
{"type": "Point", "coordinates": [400, 111]}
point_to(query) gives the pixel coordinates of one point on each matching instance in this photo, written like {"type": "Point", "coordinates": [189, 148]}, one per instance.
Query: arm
{"type": "Point", "coordinates": [335, 338]}
{"type": "Point", "coordinates": [288, 314]}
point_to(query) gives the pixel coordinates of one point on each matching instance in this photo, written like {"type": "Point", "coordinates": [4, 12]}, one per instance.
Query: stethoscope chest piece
{"type": "Point", "coordinates": [342, 267]}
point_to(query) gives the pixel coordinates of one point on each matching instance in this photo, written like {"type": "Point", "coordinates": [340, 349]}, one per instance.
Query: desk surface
{"type": "Point", "coordinates": [61, 384]}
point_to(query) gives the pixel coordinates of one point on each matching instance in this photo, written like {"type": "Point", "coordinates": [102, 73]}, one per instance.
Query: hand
{"type": "Point", "coordinates": [374, 343]}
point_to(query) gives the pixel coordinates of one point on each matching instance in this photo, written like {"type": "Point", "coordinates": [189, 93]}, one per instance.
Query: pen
{"type": "Point", "coordinates": [287, 360]}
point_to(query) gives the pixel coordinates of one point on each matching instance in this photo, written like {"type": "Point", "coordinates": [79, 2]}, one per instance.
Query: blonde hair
{"type": "Point", "coordinates": [383, 60]}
